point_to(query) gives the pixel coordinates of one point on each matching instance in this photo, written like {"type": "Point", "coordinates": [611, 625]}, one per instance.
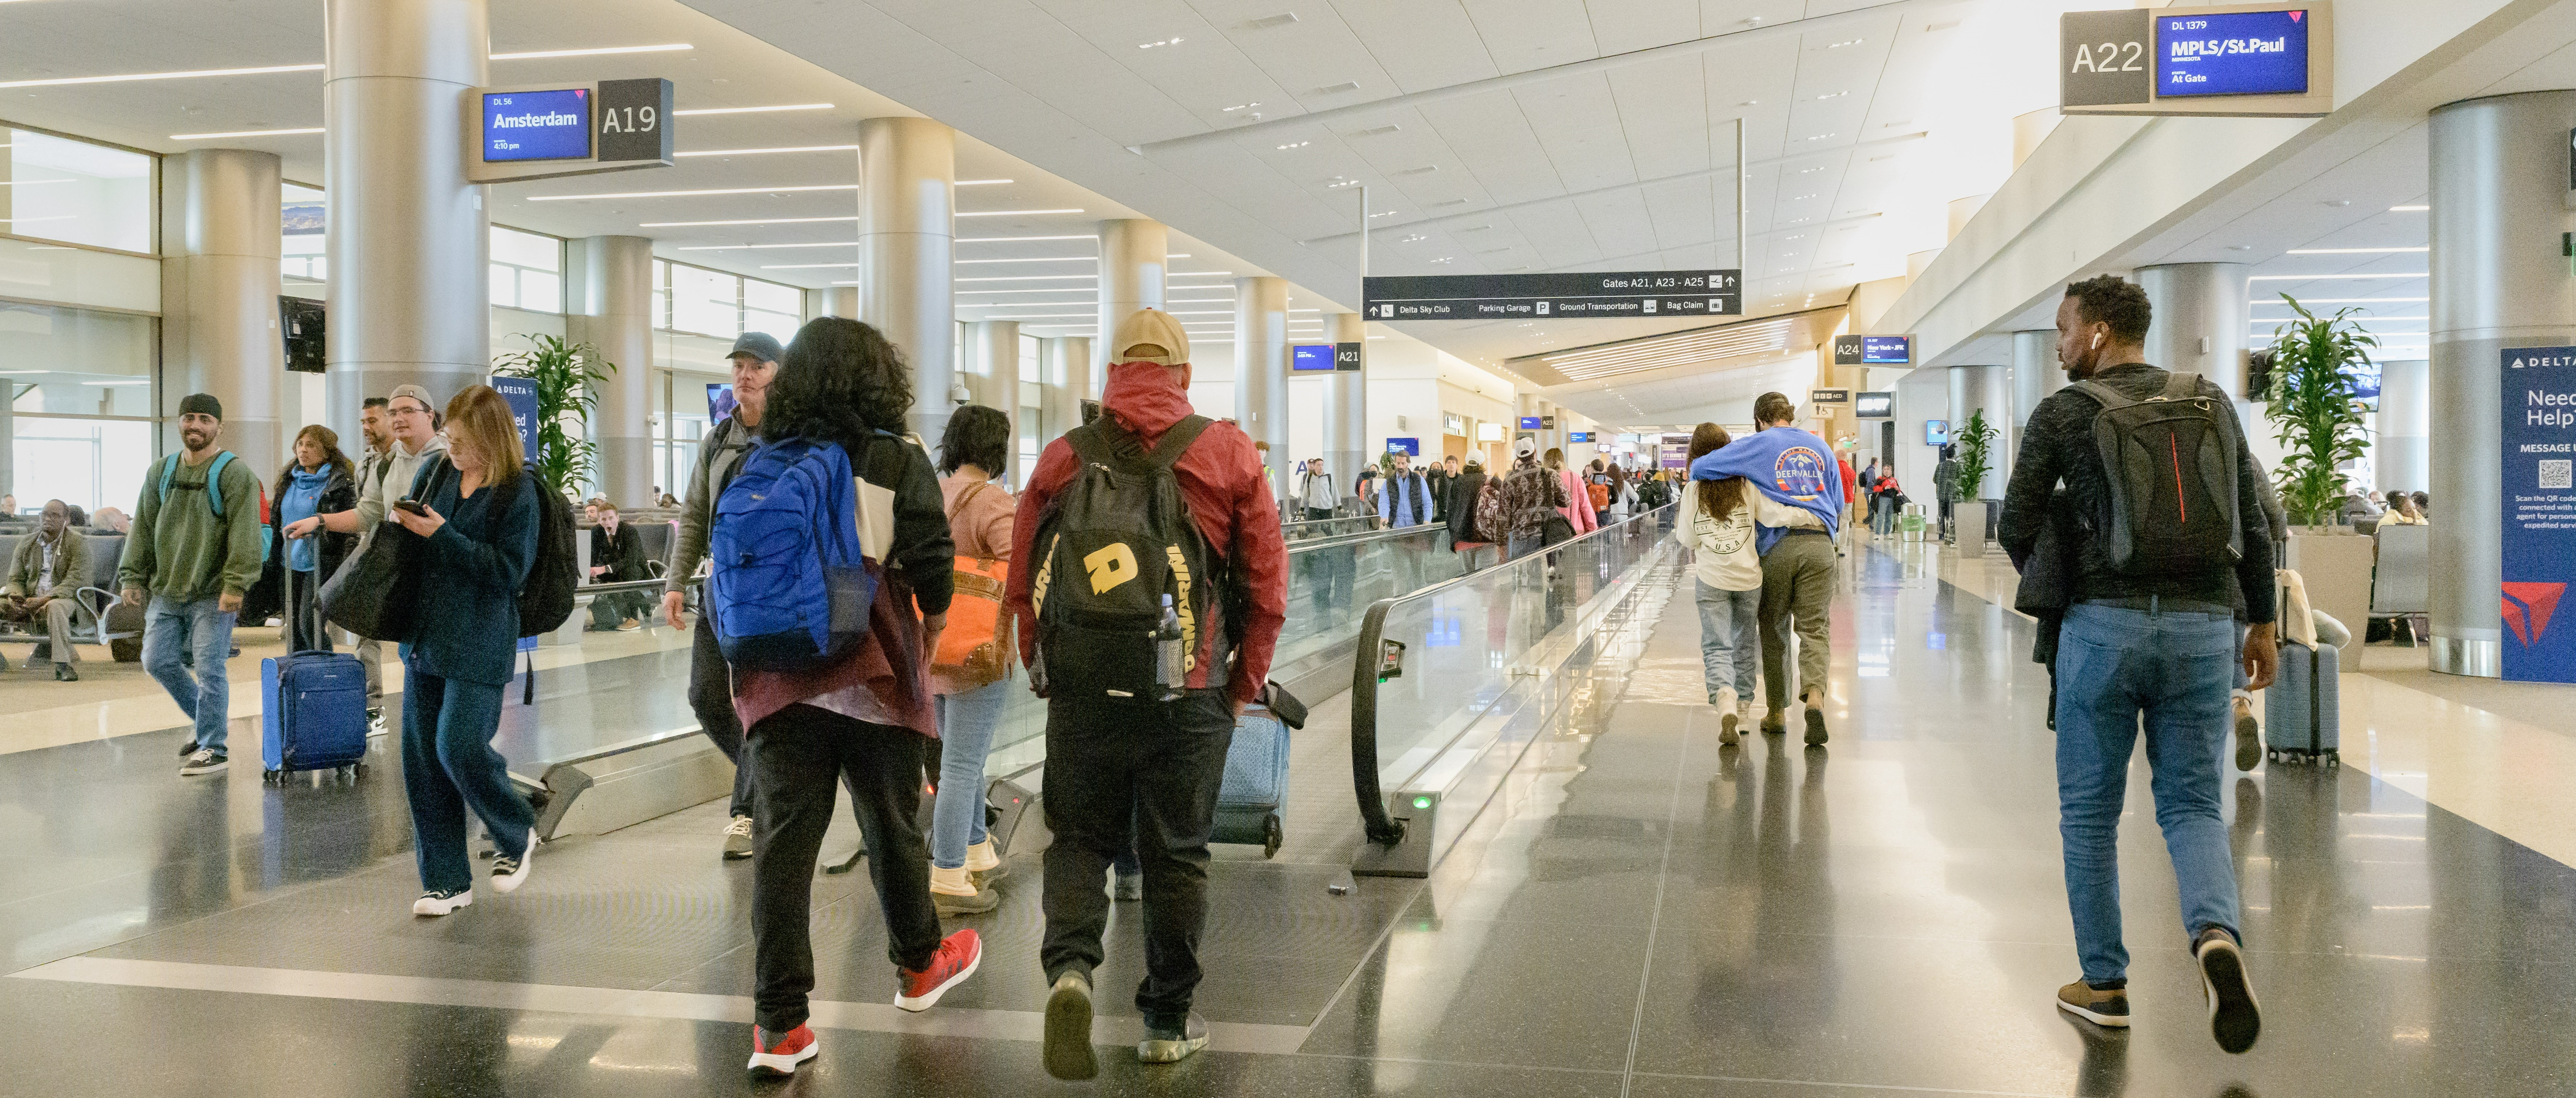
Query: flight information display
{"type": "Point", "coordinates": [2232, 53]}
{"type": "Point", "coordinates": [536, 125]}
{"type": "Point", "coordinates": [1311, 356]}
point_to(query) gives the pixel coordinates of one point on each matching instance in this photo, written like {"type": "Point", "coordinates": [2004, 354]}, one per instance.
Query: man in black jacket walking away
{"type": "Point", "coordinates": [2151, 634]}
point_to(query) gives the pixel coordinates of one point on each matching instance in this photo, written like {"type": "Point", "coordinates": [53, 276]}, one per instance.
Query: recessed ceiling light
{"type": "Point", "coordinates": [1294, 145]}
{"type": "Point", "coordinates": [1237, 107]}
{"type": "Point", "coordinates": [1818, 137]}
{"type": "Point", "coordinates": [1159, 43]}
{"type": "Point", "coordinates": [1008, 239]}
{"type": "Point", "coordinates": [728, 152]}
{"type": "Point", "coordinates": [240, 133]}
{"type": "Point", "coordinates": [2353, 251]}
{"type": "Point", "coordinates": [981, 182]}
{"type": "Point", "coordinates": [1013, 213]}
{"type": "Point", "coordinates": [2338, 202]}
{"type": "Point", "coordinates": [742, 221]}
{"type": "Point", "coordinates": [1342, 184]}
{"type": "Point", "coordinates": [2408, 209]}
{"type": "Point", "coordinates": [1420, 170]}
{"type": "Point", "coordinates": [750, 247]}
{"type": "Point", "coordinates": [597, 51]}
{"type": "Point", "coordinates": [1832, 95]}
{"type": "Point", "coordinates": [181, 75]}
{"type": "Point", "coordinates": [690, 194]}
{"type": "Point", "coordinates": [1845, 42]}
{"type": "Point", "coordinates": [755, 110]}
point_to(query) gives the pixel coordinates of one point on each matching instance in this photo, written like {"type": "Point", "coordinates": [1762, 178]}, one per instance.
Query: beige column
{"type": "Point", "coordinates": [1068, 383]}
{"type": "Point", "coordinates": [1346, 426]}
{"type": "Point", "coordinates": [993, 354]}
{"type": "Point", "coordinates": [1261, 370]}
{"type": "Point", "coordinates": [610, 284]}
{"type": "Point", "coordinates": [219, 287]}
{"type": "Point", "coordinates": [907, 239]}
{"type": "Point", "coordinates": [1133, 268]}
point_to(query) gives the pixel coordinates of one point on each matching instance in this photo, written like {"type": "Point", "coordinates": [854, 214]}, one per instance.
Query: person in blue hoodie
{"type": "Point", "coordinates": [1795, 515]}
{"type": "Point", "coordinates": [320, 480]}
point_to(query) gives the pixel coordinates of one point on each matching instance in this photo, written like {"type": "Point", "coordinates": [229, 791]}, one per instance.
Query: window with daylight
{"type": "Point", "coordinates": [302, 214]}
{"type": "Point", "coordinates": [527, 270]}
{"type": "Point", "coordinates": [56, 188]}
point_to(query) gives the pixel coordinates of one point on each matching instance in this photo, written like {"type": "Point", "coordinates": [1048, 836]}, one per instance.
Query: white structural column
{"type": "Point", "coordinates": [2035, 374]}
{"type": "Point", "coordinates": [842, 301]}
{"type": "Point", "coordinates": [2401, 454]}
{"type": "Point", "coordinates": [1346, 429]}
{"type": "Point", "coordinates": [1133, 268]}
{"type": "Point", "coordinates": [907, 241]}
{"type": "Point", "coordinates": [611, 284]}
{"type": "Point", "coordinates": [2499, 195]}
{"type": "Point", "coordinates": [409, 243]}
{"type": "Point", "coordinates": [2203, 325]}
{"type": "Point", "coordinates": [1261, 370]}
{"type": "Point", "coordinates": [993, 354]}
{"type": "Point", "coordinates": [219, 287]}
{"type": "Point", "coordinates": [1986, 389]}
{"type": "Point", "coordinates": [1067, 384]}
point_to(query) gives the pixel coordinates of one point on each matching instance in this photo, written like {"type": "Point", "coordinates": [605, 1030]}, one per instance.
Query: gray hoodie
{"type": "Point", "coordinates": [389, 479]}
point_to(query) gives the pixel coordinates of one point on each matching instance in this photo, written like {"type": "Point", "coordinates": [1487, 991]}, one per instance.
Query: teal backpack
{"type": "Point", "coordinates": [215, 495]}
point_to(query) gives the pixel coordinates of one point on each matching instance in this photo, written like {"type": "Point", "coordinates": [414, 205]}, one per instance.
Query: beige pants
{"type": "Point", "coordinates": [58, 626]}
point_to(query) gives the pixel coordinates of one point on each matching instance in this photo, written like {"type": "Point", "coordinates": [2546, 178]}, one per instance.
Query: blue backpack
{"type": "Point", "coordinates": [789, 588]}
{"type": "Point", "coordinates": [214, 489]}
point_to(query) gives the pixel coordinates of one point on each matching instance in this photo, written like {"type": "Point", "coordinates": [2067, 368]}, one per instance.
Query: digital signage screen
{"type": "Point", "coordinates": [1886, 350]}
{"type": "Point", "coordinates": [1936, 432]}
{"type": "Point", "coordinates": [1311, 356]}
{"type": "Point", "coordinates": [2232, 53]}
{"type": "Point", "coordinates": [720, 402]}
{"type": "Point", "coordinates": [536, 125]}
{"type": "Point", "coordinates": [1530, 423]}
{"type": "Point", "coordinates": [1873, 405]}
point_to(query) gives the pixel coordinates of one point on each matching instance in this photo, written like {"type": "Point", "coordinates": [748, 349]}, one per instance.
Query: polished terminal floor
{"type": "Point", "coordinates": [1641, 912]}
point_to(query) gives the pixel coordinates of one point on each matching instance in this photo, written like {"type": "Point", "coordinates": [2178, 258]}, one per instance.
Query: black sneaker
{"type": "Point", "coordinates": [187, 749]}
{"type": "Point", "coordinates": [207, 761]}
{"type": "Point", "coordinates": [63, 673]}
{"type": "Point", "coordinates": [442, 901]}
{"type": "Point", "coordinates": [2249, 735]}
{"type": "Point", "coordinates": [1173, 1045]}
{"type": "Point", "coordinates": [1815, 725]}
{"type": "Point", "coordinates": [2235, 1019]}
{"type": "Point", "coordinates": [1068, 1029]}
{"type": "Point", "coordinates": [509, 871]}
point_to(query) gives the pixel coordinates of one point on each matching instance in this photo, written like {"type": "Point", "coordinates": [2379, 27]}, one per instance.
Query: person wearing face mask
{"type": "Point", "coordinates": [408, 425]}
{"type": "Point", "coordinates": [755, 359]}
{"type": "Point", "coordinates": [194, 553]}
{"type": "Point", "coordinates": [44, 572]}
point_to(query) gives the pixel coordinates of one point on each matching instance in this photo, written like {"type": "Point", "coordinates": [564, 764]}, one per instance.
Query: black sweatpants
{"type": "Point", "coordinates": [1153, 766]}
{"type": "Point", "coordinates": [797, 754]}
{"type": "Point", "coordinates": [711, 698]}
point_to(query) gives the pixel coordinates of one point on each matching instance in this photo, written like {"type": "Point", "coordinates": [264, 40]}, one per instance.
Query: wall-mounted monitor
{"type": "Point", "coordinates": [1936, 432]}
{"type": "Point", "coordinates": [1873, 350]}
{"type": "Point", "coordinates": [299, 326]}
{"type": "Point", "coordinates": [1315, 357]}
{"type": "Point", "coordinates": [720, 402]}
{"type": "Point", "coordinates": [1532, 423]}
{"type": "Point", "coordinates": [1873, 405]}
{"type": "Point", "coordinates": [536, 125]}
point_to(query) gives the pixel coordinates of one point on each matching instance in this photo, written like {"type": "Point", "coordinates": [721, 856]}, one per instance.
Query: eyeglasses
{"type": "Point", "coordinates": [412, 411]}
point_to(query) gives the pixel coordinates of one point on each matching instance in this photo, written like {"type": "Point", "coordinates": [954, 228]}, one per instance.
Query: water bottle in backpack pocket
{"type": "Point", "coordinates": [1118, 543]}
{"type": "Point", "coordinates": [790, 586]}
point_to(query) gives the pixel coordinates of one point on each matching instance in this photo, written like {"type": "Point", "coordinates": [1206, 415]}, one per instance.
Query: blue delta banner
{"type": "Point", "coordinates": [521, 393]}
{"type": "Point", "coordinates": [2539, 512]}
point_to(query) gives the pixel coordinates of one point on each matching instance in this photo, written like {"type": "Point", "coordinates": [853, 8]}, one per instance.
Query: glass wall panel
{"type": "Point", "coordinates": [88, 463]}
{"type": "Point", "coordinates": [527, 270]}
{"type": "Point", "coordinates": [73, 191]}
{"type": "Point", "coordinates": [706, 302]}
{"type": "Point", "coordinates": [303, 212]}
{"type": "Point", "coordinates": [76, 361]}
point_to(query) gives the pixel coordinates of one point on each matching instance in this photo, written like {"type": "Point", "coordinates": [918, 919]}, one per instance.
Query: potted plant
{"type": "Point", "coordinates": [1976, 441]}
{"type": "Point", "coordinates": [568, 377]}
{"type": "Point", "coordinates": [2318, 423]}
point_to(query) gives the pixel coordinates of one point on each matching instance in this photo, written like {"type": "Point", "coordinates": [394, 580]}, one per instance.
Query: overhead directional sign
{"type": "Point", "coordinates": [544, 131]}
{"type": "Point", "coordinates": [1828, 396]}
{"type": "Point", "coordinates": [1613, 294]}
{"type": "Point", "coordinates": [2253, 60]}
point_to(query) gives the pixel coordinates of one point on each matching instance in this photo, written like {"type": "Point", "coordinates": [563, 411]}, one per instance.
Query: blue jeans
{"type": "Point", "coordinates": [967, 722]}
{"type": "Point", "coordinates": [448, 767]}
{"type": "Point", "coordinates": [2172, 666]}
{"type": "Point", "coordinates": [178, 633]}
{"type": "Point", "coordinates": [1729, 647]}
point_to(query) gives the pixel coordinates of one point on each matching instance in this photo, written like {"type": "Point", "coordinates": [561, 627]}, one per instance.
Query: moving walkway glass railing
{"type": "Point", "coordinates": [1331, 583]}
{"type": "Point", "coordinates": [1311, 529]}
{"type": "Point", "coordinates": [1444, 671]}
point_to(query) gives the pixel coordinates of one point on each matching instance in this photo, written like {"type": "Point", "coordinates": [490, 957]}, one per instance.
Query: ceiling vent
{"type": "Point", "coordinates": [1344, 86]}
{"type": "Point", "coordinates": [1376, 131]}
{"type": "Point", "coordinates": [1268, 21]}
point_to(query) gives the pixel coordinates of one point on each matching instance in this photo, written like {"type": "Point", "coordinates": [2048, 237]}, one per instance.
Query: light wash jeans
{"type": "Point", "coordinates": [176, 634]}
{"type": "Point", "coordinates": [2113, 664]}
{"type": "Point", "coordinates": [1730, 647]}
{"type": "Point", "coordinates": [967, 722]}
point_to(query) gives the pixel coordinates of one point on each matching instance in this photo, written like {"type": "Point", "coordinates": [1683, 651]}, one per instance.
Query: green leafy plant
{"type": "Point", "coordinates": [1976, 439]}
{"type": "Point", "coordinates": [568, 377]}
{"type": "Point", "coordinates": [2314, 414]}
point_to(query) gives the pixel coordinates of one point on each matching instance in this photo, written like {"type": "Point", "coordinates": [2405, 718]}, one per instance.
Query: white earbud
{"type": "Point", "coordinates": [2097, 341]}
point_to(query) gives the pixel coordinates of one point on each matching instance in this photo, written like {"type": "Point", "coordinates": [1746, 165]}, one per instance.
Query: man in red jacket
{"type": "Point", "coordinates": [1140, 774]}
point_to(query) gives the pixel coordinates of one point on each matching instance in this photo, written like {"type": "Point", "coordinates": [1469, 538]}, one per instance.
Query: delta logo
{"type": "Point", "coordinates": [2527, 607]}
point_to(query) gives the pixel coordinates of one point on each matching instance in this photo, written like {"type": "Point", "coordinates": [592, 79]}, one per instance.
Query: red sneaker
{"type": "Point", "coordinates": [955, 961]}
{"type": "Point", "coordinates": [778, 1054]}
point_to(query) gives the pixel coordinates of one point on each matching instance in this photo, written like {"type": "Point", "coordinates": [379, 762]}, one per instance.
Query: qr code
{"type": "Point", "coordinates": [2558, 474]}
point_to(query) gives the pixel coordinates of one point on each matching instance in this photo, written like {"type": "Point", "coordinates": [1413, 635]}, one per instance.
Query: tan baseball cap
{"type": "Point", "coordinates": [1151, 326]}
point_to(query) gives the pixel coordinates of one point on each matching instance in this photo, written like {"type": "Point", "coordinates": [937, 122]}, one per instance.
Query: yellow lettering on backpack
{"type": "Point", "coordinates": [1189, 622]}
{"type": "Point", "coordinates": [1110, 565]}
{"type": "Point", "coordinates": [1046, 570]}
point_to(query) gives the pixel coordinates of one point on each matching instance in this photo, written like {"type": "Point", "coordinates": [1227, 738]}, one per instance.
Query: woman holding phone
{"type": "Point", "coordinates": [475, 512]}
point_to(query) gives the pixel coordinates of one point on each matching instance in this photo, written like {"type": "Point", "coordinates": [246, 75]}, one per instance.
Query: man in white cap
{"type": "Point", "coordinates": [1139, 768]}
{"type": "Point", "coordinates": [411, 423]}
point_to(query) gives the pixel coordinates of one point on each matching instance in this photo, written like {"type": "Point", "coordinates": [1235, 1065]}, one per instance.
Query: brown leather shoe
{"type": "Point", "coordinates": [2102, 1008]}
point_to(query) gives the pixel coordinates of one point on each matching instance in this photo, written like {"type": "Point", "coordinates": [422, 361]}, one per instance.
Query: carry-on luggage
{"type": "Point", "coordinates": [1249, 799]}
{"type": "Point", "coordinates": [2301, 722]}
{"type": "Point", "coordinates": [313, 709]}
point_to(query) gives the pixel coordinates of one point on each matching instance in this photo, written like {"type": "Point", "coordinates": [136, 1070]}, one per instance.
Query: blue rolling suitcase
{"type": "Point", "coordinates": [2302, 721]}
{"type": "Point", "coordinates": [1249, 800]}
{"type": "Point", "coordinates": [313, 711]}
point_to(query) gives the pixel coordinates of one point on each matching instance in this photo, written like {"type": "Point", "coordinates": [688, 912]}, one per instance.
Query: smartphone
{"type": "Point", "coordinates": [412, 505]}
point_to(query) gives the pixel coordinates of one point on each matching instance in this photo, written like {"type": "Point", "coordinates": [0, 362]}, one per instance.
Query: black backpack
{"type": "Point", "coordinates": [1116, 541]}
{"type": "Point", "coordinates": [2171, 460]}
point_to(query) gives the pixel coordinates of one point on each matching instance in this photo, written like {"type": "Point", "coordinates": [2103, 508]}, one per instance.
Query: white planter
{"type": "Point", "coordinates": [2335, 565]}
{"type": "Point", "coordinates": [1968, 527]}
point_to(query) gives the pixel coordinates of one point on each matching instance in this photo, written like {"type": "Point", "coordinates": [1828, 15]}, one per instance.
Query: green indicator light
{"type": "Point", "coordinates": [1421, 802]}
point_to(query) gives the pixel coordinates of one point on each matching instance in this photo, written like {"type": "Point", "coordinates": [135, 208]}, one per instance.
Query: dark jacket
{"type": "Point", "coordinates": [2047, 568]}
{"type": "Point", "coordinates": [1437, 478]}
{"type": "Point", "coordinates": [340, 493]}
{"type": "Point", "coordinates": [622, 552]}
{"type": "Point", "coordinates": [2057, 447]}
{"type": "Point", "coordinates": [1463, 491]}
{"type": "Point", "coordinates": [470, 572]}
{"type": "Point", "coordinates": [1227, 495]}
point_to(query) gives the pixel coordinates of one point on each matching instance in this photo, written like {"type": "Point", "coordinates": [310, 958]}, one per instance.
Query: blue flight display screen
{"type": "Point", "coordinates": [536, 125]}
{"type": "Point", "coordinates": [1530, 423]}
{"type": "Point", "coordinates": [1311, 356]}
{"type": "Point", "coordinates": [1877, 350]}
{"type": "Point", "coordinates": [2233, 53]}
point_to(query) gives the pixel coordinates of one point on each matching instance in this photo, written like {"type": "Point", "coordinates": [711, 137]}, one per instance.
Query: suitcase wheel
{"type": "Point", "coordinates": [273, 777]}
{"type": "Point", "coordinates": [1271, 835]}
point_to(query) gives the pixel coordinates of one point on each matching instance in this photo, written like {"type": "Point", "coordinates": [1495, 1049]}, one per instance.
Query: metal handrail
{"type": "Point", "coordinates": [1382, 828]}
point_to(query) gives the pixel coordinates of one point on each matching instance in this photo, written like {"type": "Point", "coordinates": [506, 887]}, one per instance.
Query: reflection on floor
{"type": "Point", "coordinates": [1642, 912]}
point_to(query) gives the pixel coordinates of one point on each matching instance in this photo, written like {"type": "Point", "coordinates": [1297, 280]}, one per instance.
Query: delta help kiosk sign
{"type": "Point", "coordinates": [2538, 508]}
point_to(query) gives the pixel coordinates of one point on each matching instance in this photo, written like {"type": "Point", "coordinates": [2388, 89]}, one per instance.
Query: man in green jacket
{"type": "Point", "coordinates": [194, 550]}
{"type": "Point", "coordinates": [44, 573]}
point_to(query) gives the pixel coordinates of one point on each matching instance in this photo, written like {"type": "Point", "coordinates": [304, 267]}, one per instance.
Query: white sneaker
{"type": "Point", "coordinates": [440, 903]}
{"type": "Point", "coordinates": [509, 872]}
{"type": "Point", "coordinates": [1729, 719]}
